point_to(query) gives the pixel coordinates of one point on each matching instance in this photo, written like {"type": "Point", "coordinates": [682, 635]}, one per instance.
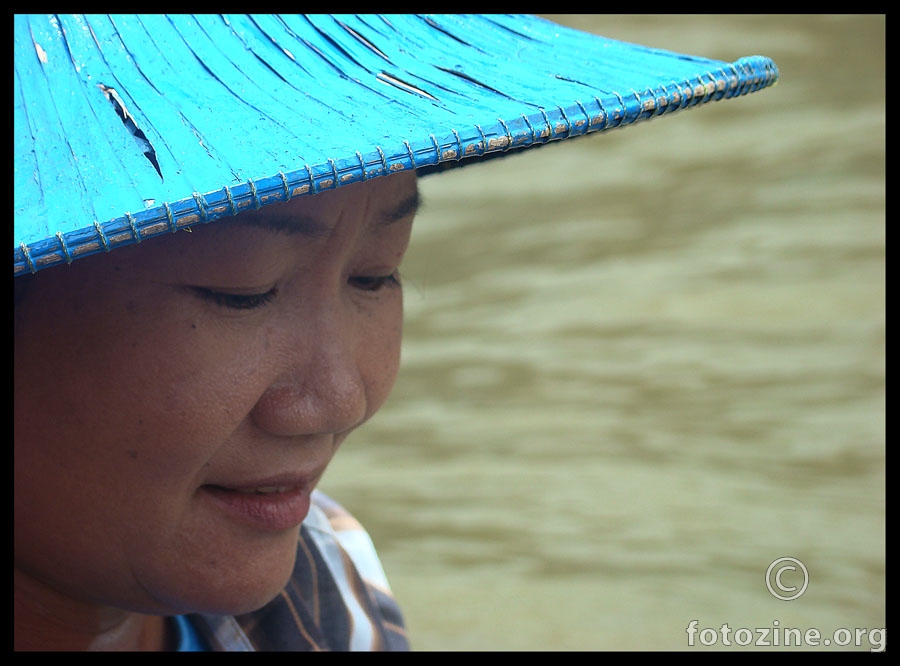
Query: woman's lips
{"type": "Point", "coordinates": [275, 506]}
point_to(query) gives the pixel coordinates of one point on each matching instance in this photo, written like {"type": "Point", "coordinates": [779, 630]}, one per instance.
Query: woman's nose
{"type": "Point", "coordinates": [321, 390]}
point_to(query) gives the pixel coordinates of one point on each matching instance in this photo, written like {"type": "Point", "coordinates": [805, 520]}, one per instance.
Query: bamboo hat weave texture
{"type": "Point", "coordinates": [127, 127]}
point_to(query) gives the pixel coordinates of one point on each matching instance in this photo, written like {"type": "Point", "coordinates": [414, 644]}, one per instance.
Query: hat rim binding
{"type": "Point", "coordinates": [428, 154]}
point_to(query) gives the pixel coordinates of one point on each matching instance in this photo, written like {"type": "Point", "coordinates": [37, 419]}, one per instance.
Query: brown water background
{"type": "Point", "coordinates": [640, 367]}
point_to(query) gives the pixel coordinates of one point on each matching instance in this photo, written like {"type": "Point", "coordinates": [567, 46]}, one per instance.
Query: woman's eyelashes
{"type": "Point", "coordinates": [374, 282]}
{"type": "Point", "coordinates": [238, 301]}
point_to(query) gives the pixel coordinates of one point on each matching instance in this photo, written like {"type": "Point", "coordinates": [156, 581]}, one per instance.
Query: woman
{"type": "Point", "coordinates": [235, 196]}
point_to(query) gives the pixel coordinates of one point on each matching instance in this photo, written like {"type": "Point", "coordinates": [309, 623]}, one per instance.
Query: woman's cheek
{"type": "Point", "coordinates": [384, 359]}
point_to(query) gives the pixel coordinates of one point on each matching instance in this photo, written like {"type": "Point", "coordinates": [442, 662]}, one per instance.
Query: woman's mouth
{"type": "Point", "coordinates": [264, 507]}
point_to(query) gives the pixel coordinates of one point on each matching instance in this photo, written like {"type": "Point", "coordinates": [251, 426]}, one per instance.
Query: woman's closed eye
{"type": "Point", "coordinates": [240, 301]}
{"type": "Point", "coordinates": [374, 282]}
{"type": "Point", "coordinates": [236, 301]}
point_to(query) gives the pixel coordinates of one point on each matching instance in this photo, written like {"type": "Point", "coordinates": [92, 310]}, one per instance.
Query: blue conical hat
{"type": "Point", "coordinates": [127, 127]}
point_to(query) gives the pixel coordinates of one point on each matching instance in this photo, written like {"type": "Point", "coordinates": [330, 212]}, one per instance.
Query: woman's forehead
{"type": "Point", "coordinates": [376, 203]}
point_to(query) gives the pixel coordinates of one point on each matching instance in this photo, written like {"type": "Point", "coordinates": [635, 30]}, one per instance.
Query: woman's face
{"type": "Point", "coordinates": [177, 401]}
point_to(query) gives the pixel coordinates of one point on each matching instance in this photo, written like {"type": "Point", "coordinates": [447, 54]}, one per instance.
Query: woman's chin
{"type": "Point", "coordinates": [237, 601]}
{"type": "Point", "coordinates": [224, 593]}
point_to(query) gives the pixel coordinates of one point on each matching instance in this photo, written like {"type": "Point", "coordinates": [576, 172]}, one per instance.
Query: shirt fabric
{"type": "Point", "coordinates": [188, 638]}
{"type": "Point", "coordinates": [337, 598]}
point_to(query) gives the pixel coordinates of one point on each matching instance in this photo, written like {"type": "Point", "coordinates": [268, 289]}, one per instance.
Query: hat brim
{"type": "Point", "coordinates": [127, 127]}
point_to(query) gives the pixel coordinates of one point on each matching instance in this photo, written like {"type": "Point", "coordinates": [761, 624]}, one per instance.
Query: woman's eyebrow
{"type": "Point", "coordinates": [313, 228]}
{"type": "Point", "coordinates": [286, 224]}
{"type": "Point", "coordinates": [406, 208]}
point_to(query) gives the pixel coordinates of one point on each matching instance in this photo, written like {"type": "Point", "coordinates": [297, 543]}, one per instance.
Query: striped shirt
{"type": "Point", "coordinates": [337, 598]}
